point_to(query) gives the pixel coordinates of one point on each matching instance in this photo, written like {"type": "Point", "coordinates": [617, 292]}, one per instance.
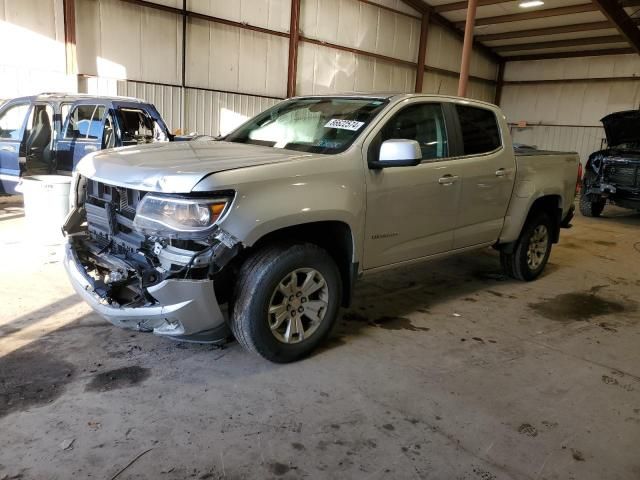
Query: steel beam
{"type": "Point", "coordinates": [69, 8]}
{"type": "Point", "coordinates": [583, 53]}
{"type": "Point", "coordinates": [539, 32]}
{"type": "Point", "coordinates": [619, 18]}
{"type": "Point", "coordinates": [450, 7]}
{"type": "Point", "coordinates": [422, 50]}
{"type": "Point", "coordinates": [574, 42]}
{"type": "Point", "coordinates": [294, 40]}
{"type": "Point", "coordinates": [467, 48]}
{"type": "Point", "coordinates": [536, 14]}
{"type": "Point", "coordinates": [499, 84]}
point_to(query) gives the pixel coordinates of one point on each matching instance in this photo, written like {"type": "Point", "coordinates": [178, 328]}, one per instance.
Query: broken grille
{"type": "Point", "coordinates": [623, 175]}
{"type": "Point", "coordinates": [110, 213]}
{"type": "Point", "coordinates": [124, 200]}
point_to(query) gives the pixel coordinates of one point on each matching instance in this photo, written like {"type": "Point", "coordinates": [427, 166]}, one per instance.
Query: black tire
{"type": "Point", "coordinates": [516, 263]}
{"type": "Point", "coordinates": [258, 279]}
{"type": "Point", "coordinates": [589, 208]}
{"type": "Point", "coordinates": [590, 205]}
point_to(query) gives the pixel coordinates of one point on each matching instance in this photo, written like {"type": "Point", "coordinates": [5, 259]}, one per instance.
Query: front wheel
{"type": "Point", "coordinates": [531, 253]}
{"type": "Point", "coordinates": [589, 208]}
{"type": "Point", "coordinates": [286, 301]}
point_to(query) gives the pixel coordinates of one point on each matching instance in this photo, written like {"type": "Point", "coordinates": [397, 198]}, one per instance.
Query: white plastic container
{"type": "Point", "coordinates": [46, 204]}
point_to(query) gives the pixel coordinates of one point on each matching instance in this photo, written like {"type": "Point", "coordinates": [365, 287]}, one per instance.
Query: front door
{"type": "Point", "coordinates": [12, 124]}
{"type": "Point", "coordinates": [488, 175]}
{"type": "Point", "coordinates": [411, 211]}
{"type": "Point", "coordinates": [37, 140]}
{"type": "Point", "coordinates": [82, 134]}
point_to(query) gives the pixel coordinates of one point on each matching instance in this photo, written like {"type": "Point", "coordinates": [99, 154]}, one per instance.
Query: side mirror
{"type": "Point", "coordinates": [398, 153]}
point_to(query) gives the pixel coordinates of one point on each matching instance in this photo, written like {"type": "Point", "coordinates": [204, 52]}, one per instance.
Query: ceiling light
{"type": "Point", "coordinates": [531, 3]}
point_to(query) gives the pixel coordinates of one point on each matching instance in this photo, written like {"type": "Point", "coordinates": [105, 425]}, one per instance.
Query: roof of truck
{"type": "Point", "coordinates": [73, 97]}
{"type": "Point", "coordinates": [390, 95]}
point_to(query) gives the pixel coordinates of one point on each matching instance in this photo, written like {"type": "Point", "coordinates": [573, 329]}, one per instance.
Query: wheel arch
{"type": "Point", "coordinates": [336, 237]}
{"type": "Point", "coordinates": [551, 203]}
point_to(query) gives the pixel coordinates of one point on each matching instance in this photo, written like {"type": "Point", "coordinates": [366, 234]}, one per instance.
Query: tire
{"type": "Point", "coordinates": [589, 207]}
{"type": "Point", "coordinates": [517, 264]}
{"type": "Point", "coordinates": [259, 302]}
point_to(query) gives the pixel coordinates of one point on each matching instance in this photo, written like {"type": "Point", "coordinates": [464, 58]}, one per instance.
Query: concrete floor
{"type": "Point", "coordinates": [443, 371]}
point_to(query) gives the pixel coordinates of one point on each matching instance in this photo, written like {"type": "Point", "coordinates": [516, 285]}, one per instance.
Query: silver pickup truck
{"type": "Point", "coordinates": [266, 230]}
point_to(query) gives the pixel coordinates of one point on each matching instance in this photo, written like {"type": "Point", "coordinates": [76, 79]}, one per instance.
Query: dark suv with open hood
{"type": "Point", "coordinates": [613, 174]}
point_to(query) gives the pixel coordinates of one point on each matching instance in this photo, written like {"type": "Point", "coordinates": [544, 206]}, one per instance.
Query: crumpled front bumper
{"type": "Point", "coordinates": [186, 308]}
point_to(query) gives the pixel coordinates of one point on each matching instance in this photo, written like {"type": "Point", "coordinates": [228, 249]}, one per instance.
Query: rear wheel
{"type": "Point", "coordinates": [531, 252]}
{"type": "Point", "coordinates": [286, 302]}
{"type": "Point", "coordinates": [590, 205]}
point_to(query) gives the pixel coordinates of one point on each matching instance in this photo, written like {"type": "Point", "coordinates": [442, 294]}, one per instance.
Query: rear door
{"type": "Point", "coordinates": [82, 134]}
{"type": "Point", "coordinates": [12, 124]}
{"type": "Point", "coordinates": [488, 174]}
{"type": "Point", "coordinates": [37, 140]}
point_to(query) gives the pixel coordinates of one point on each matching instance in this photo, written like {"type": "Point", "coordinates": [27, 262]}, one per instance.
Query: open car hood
{"type": "Point", "coordinates": [175, 167]}
{"type": "Point", "coordinates": [622, 127]}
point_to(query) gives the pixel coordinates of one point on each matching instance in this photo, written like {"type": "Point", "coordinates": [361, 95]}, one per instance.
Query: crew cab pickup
{"type": "Point", "coordinates": [266, 230]}
{"type": "Point", "coordinates": [51, 132]}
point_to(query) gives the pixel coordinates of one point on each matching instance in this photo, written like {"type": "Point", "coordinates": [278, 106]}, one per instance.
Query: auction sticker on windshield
{"type": "Point", "coordinates": [344, 124]}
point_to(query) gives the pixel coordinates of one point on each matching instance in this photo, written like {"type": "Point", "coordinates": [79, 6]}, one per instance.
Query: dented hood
{"type": "Point", "coordinates": [175, 167]}
{"type": "Point", "coordinates": [622, 127]}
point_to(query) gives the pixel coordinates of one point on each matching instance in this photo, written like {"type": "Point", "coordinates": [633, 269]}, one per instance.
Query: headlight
{"type": "Point", "coordinates": [174, 217]}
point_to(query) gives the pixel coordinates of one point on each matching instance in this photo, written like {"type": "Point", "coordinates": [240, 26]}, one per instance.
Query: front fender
{"type": "Point", "coordinates": [270, 198]}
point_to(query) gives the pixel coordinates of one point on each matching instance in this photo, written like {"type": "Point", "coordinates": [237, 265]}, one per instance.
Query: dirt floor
{"type": "Point", "coordinates": [446, 370]}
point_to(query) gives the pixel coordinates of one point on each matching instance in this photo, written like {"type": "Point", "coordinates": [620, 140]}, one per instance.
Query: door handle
{"type": "Point", "coordinates": [448, 179]}
{"type": "Point", "coordinates": [501, 172]}
{"type": "Point", "coordinates": [8, 148]}
{"type": "Point", "coordinates": [90, 148]}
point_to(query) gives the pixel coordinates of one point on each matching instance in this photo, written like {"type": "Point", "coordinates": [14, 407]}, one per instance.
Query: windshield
{"type": "Point", "coordinates": [317, 125]}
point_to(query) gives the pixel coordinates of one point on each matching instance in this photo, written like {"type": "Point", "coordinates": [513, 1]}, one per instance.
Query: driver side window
{"type": "Point", "coordinates": [424, 123]}
{"type": "Point", "coordinates": [12, 120]}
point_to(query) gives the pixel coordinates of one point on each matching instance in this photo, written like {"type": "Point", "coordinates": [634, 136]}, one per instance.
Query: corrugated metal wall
{"type": "Point", "coordinates": [362, 26]}
{"type": "Point", "coordinates": [123, 41]}
{"type": "Point", "coordinates": [584, 140]}
{"type": "Point", "coordinates": [231, 72]}
{"type": "Point", "coordinates": [563, 100]}
{"type": "Point", "coordinates": [355, 24]}
{"type": "Point", "coordinates": [218, 113]}
{"type": "Point", "coordinates": [222, 57]}
{"type": "Point", "coordinates": [205, 111]}
{"type": "Point", "coordinates": [446, 84]}
{"type": "Point", "coordinates": [271, 14]}
{"type": "Point", "coordinates": [32, 58]}
{"type": "Point", "coordinates": [325, 70]}
{"type": "Point", "coordinates": [444, 50]}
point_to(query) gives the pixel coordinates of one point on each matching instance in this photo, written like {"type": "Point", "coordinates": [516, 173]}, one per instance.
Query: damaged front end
{"type": "Point", "coordinates": [151, 262]}
{"type": "Point", "coordinates": [615, 175]}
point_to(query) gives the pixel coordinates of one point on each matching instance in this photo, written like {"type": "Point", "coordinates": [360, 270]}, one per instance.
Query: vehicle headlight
{"type": "Point", "coordinates": [176, 217]}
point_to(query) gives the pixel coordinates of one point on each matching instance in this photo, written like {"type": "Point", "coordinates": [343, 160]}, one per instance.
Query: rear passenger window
{"type": "Point", "coordinates": [85, 121]}
{"type": "Point", "coordinates": [480, 131]}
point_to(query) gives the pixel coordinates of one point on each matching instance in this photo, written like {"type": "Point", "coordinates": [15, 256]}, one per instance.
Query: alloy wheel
{"type": "Point", "coordinates": [538, 245]}
{"type": "Point", "coordinates": [298, 305]}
